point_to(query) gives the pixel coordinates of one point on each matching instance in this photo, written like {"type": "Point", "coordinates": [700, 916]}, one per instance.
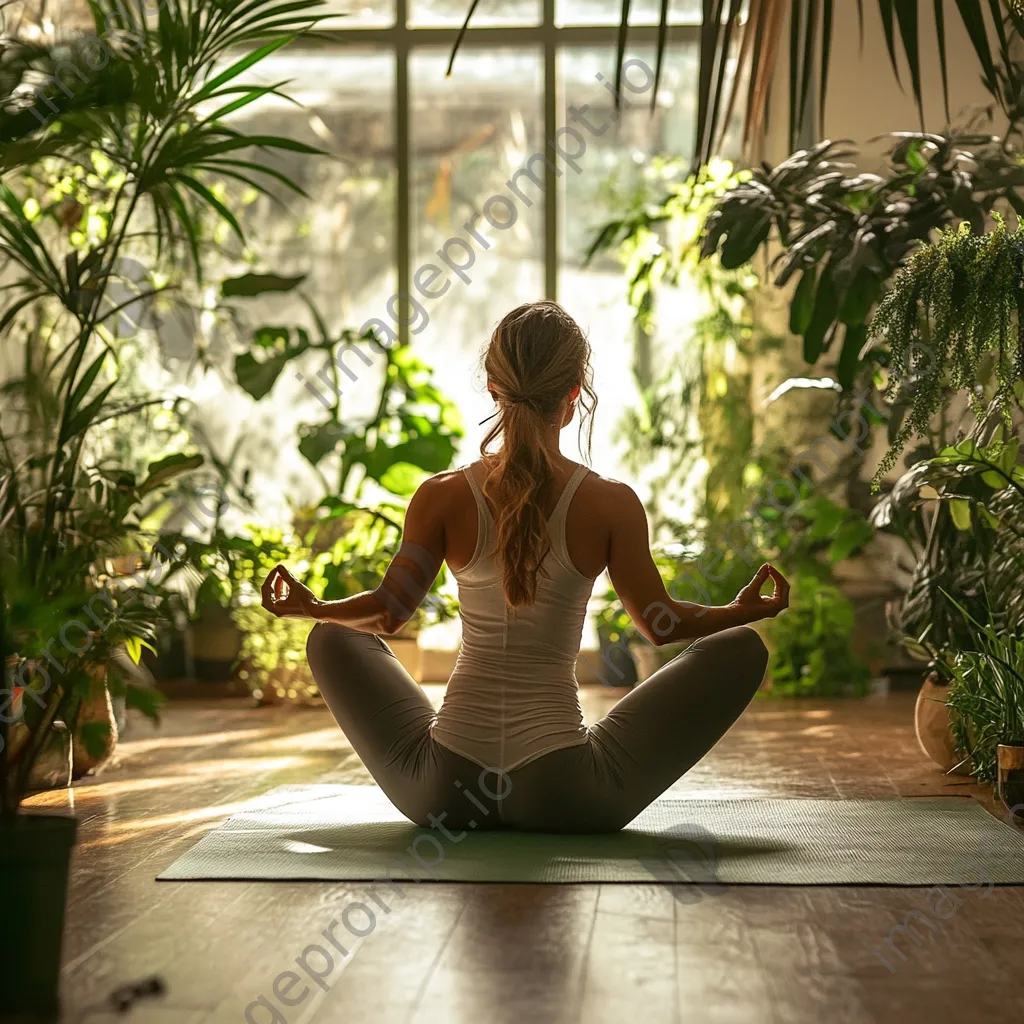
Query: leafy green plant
{"type": "Point", "coordinates": [121, 167]}
{"type": "Point", "coordinates": [986, 694]}
{"type": "Point", "coordinates": [953, 319]}
{"type": "Point", "coordinates": [93, 594]}
{"type": "Point", "coordinates": [961, 515]}
{"type": "Point", "coordinates": [846, 234]}
{"type": "Point", "coordinates": [698, 405]}
{"type": "Point", "coordinates": [811, 654]}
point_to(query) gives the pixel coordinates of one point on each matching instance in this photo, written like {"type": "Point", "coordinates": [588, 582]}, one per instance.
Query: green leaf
{"type": "Point", "coordinates": [850, 538]}
{"type": "Point", "coordinates": [258, 376]}
{"type": "Point", "coordinates": [316, 443]}
{"type": "Point", "coordinates": [402, 478]}
{"type": "Point", "coordinates": [82, 420]}
{"type": "Point", "coordinates": [986, 517]}
{"type": "Point", "coordinates": [241, 65]}
{"type": "Point", "coordinates": [906, 14]}
{"type": "Point", "coordinates": [258, 284]}
{"type": "Point", "coordinates": [431, 454]}
{"type": "Point", "coordinates": [133, 645]}
{"type": "Point", "coordinates": [204, 193]}
{"type": "Point", "coordinates": [802, 306]}
{"type": "Point", "coordinates": [860, 296]}
{"type": "Point", "coordinates": [743, 240]}
{"type": "Point", "coordinates": [960, 513]}
{"type": "Point", "coordinates": [826, 304]}
{"type": "Point", "coordinates": [849, 357]}
{"type": "Point", "coordinates": [94, 736]}
{"type": "Point", "coordinates": [994, 479]}
{"type": "Point", "coordinates": [160, 472]}
{"type": "Point", "coordinates": [143, 699]}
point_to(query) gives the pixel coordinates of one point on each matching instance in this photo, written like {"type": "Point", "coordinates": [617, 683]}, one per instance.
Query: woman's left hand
{"type": "Point", "coordinates": [285, 596]}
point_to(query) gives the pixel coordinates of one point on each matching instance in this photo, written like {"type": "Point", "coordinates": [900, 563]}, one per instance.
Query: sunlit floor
{"type": "Point", "coordinates": [520, 953]}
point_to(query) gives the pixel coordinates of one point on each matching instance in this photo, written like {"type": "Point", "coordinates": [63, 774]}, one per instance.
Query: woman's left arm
{"type": "Point", "coordinates": [406, 583]}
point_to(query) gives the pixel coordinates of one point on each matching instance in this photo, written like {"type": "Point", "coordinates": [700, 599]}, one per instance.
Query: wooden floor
{"type": "Point", "coordinates": [522, 953]}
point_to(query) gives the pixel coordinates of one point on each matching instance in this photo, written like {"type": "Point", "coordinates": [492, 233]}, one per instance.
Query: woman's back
{"type": "Point", "coordinates": [513, 694]}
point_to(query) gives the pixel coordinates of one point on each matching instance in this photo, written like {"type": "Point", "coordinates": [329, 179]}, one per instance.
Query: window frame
{"type": "Point", "coordinates": [548, 37]}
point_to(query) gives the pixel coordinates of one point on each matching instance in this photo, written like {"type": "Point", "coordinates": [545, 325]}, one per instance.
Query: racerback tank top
{"type": "Point", "coordinates": [513, 695]}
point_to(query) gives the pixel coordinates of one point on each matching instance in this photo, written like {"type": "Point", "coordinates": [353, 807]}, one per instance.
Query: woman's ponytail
{"type": "Point", "coordinates": [536, 357]}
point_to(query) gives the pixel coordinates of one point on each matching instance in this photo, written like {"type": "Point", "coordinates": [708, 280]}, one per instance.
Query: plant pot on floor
{"type": "Point", "coordinates": [213, 643]}
{"type": "Point", "coordinates": [645, 659]}
{"type": "Point", "coordinates": [1011, 779]}
{"type": "Point", "coordinates": [406, 648]}
{"type": "Point", "coordinates": [97, 708]}
{"type": "Point", "coordinates": [932, 725]}
{"type": "Point", "coordinates": [617, 666]}
{"type": "Point", "coordinates": [35, 850]}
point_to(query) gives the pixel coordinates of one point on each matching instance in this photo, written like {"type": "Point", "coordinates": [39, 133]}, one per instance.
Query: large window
{"type": "Point", "coordinates": [415, 156]}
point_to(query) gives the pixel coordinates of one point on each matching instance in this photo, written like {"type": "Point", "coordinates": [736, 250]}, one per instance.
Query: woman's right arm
{"type": "Point", "coordinates": [660, 618]}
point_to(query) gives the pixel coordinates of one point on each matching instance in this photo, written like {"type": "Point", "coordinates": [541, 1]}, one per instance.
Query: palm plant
{"type": "Point", "coordinates": [126, 163]}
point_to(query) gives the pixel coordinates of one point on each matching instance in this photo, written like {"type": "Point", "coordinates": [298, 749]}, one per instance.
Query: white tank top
{"type": "Point", "coordinates": [513, 695]}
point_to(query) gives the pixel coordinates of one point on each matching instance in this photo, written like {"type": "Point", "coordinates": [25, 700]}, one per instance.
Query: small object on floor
{"type": "Point", "coordinates": [122, 999]}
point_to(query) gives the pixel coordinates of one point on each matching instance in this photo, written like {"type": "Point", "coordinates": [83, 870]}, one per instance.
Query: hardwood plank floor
{"type": "Point", "coordinates": [642, 954]}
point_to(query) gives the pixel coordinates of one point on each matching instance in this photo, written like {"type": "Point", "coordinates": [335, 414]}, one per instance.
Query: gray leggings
{"type": "Point", "coordinates": [655, 734]}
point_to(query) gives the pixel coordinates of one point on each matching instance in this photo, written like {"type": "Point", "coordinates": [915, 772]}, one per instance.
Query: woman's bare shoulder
{"type": "Point", "coordinates": [606, 498]}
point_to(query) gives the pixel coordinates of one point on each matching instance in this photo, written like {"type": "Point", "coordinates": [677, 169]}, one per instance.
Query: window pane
{"type": "Point", "coordinates": [619, 149]}
{"type": "Point", "coordinates": [609, 12]}
{"type": "Point", "coordinates": [343, 235]}
{"type": "Point", "coordinates": [469, 135]}
{"type": "Point", "coordinates": [452, 13]}
{"type": "Point", "coordinates": [357, 13]}
{"type": "Point", "coordinates": [342, 238]}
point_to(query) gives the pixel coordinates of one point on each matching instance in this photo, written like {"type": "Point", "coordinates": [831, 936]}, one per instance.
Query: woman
{"type": "Point", "coordinates": [526, 532]}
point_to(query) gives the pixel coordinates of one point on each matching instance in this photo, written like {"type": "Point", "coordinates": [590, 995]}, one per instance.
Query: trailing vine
{"type": "Point", "coordinates": [953, 320]}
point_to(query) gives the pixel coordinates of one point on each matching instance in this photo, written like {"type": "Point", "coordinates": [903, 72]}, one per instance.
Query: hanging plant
{"type": "Point", "coordinates": [953, 321]}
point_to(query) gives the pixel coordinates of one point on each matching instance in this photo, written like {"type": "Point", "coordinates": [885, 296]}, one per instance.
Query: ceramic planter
{"type": "Point", "coordinates": [932, 725]}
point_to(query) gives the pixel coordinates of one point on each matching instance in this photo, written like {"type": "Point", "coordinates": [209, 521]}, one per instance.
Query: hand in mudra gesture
{"type": "Point", "coordinates": [284, 596]}
{"type": "Point", "coordinates": [750, 598]}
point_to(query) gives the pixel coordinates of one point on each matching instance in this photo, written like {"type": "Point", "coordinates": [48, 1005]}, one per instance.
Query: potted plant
{"type": "Point", "coordinates": [616, 636]}
{"type": "Point", "coordinates": [100, 169]}
{"type": "Point", "coordinates": [951, 322]}
{"type": "Point", "coordinates": [986, 696]}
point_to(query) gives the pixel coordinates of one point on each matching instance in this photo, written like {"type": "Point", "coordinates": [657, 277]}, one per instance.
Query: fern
{"type": "Point", "coordinates": [954, 321]}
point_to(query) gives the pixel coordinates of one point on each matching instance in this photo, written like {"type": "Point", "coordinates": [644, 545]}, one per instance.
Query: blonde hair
{"type": "Point", "coordinates": [536, 356]}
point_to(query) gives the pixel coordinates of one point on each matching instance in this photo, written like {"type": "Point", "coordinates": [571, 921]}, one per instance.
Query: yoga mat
{"type": "Point", "coordinates": [341, 833]}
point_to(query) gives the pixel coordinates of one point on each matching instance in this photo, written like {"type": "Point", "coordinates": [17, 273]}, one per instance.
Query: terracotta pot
{"type": "Point", "coordinates": [932, 724]}
{"type": "Point", "coordinates": [1011, 779]}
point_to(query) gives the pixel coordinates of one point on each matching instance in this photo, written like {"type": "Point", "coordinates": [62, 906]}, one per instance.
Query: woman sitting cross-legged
{"type": "Point", "coordinates": [526, 532]}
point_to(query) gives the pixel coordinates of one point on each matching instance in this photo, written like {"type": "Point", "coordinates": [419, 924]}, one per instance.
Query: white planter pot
{"type": "Point", "coordinates": [408, 651]}
{"type": "Point", "coordinates": [646, 658]}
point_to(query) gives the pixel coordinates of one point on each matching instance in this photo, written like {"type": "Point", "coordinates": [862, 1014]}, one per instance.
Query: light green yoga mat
{"type": "Point", "coordinates": [341, 833]}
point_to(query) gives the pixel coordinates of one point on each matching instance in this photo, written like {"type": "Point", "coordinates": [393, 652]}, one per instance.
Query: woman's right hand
{"type": "Point", "coordinates": [751, 602]}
